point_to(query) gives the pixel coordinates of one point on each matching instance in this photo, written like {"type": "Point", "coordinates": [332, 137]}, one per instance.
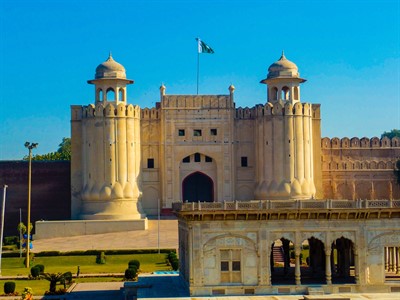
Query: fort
{"type": "Point", "coordinates": [245, 183]}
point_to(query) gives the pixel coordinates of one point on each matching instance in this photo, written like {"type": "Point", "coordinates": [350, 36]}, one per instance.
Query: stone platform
{"type": "Point", "coordinates": [54, 229]}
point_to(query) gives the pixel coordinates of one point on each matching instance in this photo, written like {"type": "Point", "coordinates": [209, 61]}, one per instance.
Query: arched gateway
{"type": "Point", "coordinates": [198, 187]}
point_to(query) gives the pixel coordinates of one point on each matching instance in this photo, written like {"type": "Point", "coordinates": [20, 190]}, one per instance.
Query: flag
{"type": "Point", "coordinates": [203, 47]}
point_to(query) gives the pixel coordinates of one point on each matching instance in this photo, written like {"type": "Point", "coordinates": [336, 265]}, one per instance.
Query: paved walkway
{"type": "Point", "coordinates": [141, 239]}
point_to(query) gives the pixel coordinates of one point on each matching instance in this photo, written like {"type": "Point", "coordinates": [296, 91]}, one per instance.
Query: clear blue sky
{"type": "Point", "coordinates": [348, 50]}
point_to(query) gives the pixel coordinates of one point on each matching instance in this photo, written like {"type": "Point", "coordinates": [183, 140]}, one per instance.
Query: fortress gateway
{"type": "Point", "coordinates": [265, 174]}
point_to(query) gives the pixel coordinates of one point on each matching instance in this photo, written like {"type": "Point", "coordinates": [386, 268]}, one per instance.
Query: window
{"type": "Point", "coordinates": [181, 132]}
{"type": "Point", "coordinates": [244, 161]}
{"type": "Point", "coordinates": [197, 132]}
{"type": "Point", "coordinates": [150, 163]}
{"type": "Point", "coordinates": [230, 266]}
{"type": "Point", "coordinates": [208, 159]}
{"type": "Point", "coordinates": [186, 159]}
{"type": "Point", "coordinates": [213, 131]}
{"type": "Point", "coordinates": [197, 157]}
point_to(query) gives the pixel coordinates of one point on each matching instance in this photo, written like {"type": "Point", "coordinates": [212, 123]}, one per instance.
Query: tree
{"type": "Point", "coordinates": [63, 152]}
{"type": "Point", "coordinates": [391, 134]}
{"type": "Point", "coordinates": [54, 278]}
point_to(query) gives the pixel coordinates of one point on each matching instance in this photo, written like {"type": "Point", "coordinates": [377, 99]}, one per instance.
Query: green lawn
{"type": "Point", "coordinates": [114, 264]}
{"type": "Point", "coordinates": [54, 264]}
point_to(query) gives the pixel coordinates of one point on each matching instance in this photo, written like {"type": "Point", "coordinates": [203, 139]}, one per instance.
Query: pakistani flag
{"type": "Point", "coordinates": [203, 47]}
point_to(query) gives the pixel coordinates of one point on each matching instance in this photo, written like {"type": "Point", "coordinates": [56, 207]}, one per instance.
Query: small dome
{"type": "Point", "coordinates": [110, 69]}
{"type": "Point", "coordinates": [283, 68]}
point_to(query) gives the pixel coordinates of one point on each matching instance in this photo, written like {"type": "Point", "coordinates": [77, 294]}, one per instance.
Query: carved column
{"type": "Point", "coordinates": [356, 268]}
{"type": "Point", "coordinates": [398, 260]}
{"type": "Point", "coordinates": [328, 270]}
{"type": "Point", "coordinates": [297, 271]}
{"type": "Point", "coordinates": [392, 258]}
{"type": "Point", "coordinates": [386, 259]}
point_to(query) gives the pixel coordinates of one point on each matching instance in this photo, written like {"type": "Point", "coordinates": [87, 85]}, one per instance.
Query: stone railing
{"type": "Point", "coordinates": [285, 205]}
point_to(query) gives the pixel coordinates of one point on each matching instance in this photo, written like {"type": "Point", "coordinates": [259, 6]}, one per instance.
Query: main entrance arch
{"type": "Point", "coordinates": [198, 187]}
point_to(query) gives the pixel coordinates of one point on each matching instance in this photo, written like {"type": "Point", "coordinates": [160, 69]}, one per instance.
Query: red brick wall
{"type": "Point", "coordinates": [51, 196]}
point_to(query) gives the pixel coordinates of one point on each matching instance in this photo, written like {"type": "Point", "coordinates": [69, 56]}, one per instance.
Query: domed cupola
{"type": "Point", "coordinates": [110, 82]}
{"type": "Point", "coordinates": [283, 81]}
{"type": "Point", "coordinates": [110, 69]}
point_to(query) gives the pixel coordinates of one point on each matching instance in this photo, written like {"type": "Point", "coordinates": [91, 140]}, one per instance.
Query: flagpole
{"type": "Point", "coordinates": [198, 67]}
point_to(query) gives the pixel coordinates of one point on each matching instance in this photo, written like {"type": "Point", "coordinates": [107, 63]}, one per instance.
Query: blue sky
{"type": "Point", "coordinates": [349, 52]}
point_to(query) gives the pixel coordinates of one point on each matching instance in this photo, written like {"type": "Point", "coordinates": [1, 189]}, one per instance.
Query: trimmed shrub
{"type": "Point", "coordinates": [35, 271]}
{"type": "Point", "coordinates": [135, 263]}
{"type": "Point", "coordinates": [67, 278]}
{"type": "Point", "coordinates": [41, 267]}
{"type": "Point", "coordinates": [130, 273]}
{"type": "Point", "coordinates": [175, 264]}
{"type": "Point", "coordinates": [171, 255]}
{"type": "Point", "coordinates": [101, 258]}
{"type": "Point", "coordinates": [9, 287]}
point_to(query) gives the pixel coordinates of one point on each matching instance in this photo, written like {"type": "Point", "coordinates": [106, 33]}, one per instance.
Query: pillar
{"type": "Point", "coordinates": [386, 259]}
{"type": "Point", "coordinates": [356, 266]}
{"type": "Point", "coordinates": [328, 268]}
{"type": "Point", "coordinates": [392, 257]}
{"type": "Point", "coordinates": [297, 270]}
{"type": "Point", "coordinates": [398, 260]}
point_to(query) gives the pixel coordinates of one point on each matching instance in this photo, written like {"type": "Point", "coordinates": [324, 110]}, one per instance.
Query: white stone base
{"type": "Point", "coordinates": [54, 229]}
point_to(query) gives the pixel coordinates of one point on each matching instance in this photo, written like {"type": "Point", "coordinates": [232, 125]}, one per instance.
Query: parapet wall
{"type": "Point", "coordinates": [360, 168]}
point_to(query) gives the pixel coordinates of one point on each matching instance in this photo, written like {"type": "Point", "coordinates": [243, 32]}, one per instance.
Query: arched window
{"type": "Point", "coordinates": [285, 93]}
{"type": "Point", "coordinates": [121, 95]}
{"type": "Point", "coordinates": [110, 94]}
{"type": "Point", "coordinates": [274, 93]}
{"type": "Point", "coordinates": [296, 93]}
{"type": "Point", "coordinates": [99, 95]}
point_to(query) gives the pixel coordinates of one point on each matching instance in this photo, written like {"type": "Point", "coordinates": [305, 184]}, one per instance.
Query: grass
{"type": "Point", "coordinates": [87, 264]}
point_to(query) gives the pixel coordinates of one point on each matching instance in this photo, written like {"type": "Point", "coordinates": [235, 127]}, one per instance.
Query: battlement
{"type": "Point", "coordinates": [276, 109]}
{"type": "Point", "coordinates": [150, 113]}
{"type": "Point", "coordinates": [356, 143]}
{"type": "Point", "coordinates": [99, 110]}
{"type": "Point", "coordinates": [197, 102]}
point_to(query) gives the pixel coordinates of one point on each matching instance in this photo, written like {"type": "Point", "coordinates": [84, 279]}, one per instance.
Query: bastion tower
{"type": "Point", "coordinates": [105, 163]}
{"type": "Point", "coordinates": [285, 137]}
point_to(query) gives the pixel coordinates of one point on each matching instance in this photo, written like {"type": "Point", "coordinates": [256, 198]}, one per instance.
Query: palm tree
{"type": "Point", "coordinates": [54, 278]}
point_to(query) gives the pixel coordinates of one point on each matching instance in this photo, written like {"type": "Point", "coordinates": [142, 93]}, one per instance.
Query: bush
{"type": "Point", "coordinates": [35, 271]}
{"type": "Point", "coordinates": [175, 264]}
{"type": "Point", "coordinates": [9, 287]}
{"type": "Point", "coordinates": [67, 278]}
{"type": "Point", "coordinates": [31, 257]}
{"type": "Point", "coordinates": [101, 258]}
{"type": "Point", "coordinates": [41, 267]}
{"type": "Point", "coordinates": [171, 255]}
{"type": "Point", "coordinates": [130, 273]}
{"type": "Point", "coordinates": [11, 240]}
{"type": "Point", "coordinates": [135, 263]}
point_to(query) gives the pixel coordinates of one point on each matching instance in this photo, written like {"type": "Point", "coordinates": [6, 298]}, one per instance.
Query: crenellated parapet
{"type": "Point", "coordinates": [151, 113]}
{"type": "Point", "coordinates": [197, 101]}
{"type": "Point", "coordinates": [110, 110]}
{"type": "Point", "coordinates": [356, 143]}
{"type": "Point", "coordinates": [276, 109]}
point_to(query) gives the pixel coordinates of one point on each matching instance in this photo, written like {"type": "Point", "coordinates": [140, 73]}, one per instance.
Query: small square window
{"type": "Point", "coordinates": [213, 131]}
{"type": "Point", "coordinates": [224, 266]}
{"type": "Point", "coordinates": [181, 132]}
{"type": "Point", "coordinates": [197, 132]}
{"type": "Point", "coordinates": [244, 161]}
{"type": "Point", "coordinates": [208, 159]}
{"type": "Point", "coordinates": [186, 159]}
{"type": "Point", "coordinates": [236, 266]}
{"type": "Point", "coordinates": [150, 163]}
{"type": "Point", "coordinates": [197, 157]}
